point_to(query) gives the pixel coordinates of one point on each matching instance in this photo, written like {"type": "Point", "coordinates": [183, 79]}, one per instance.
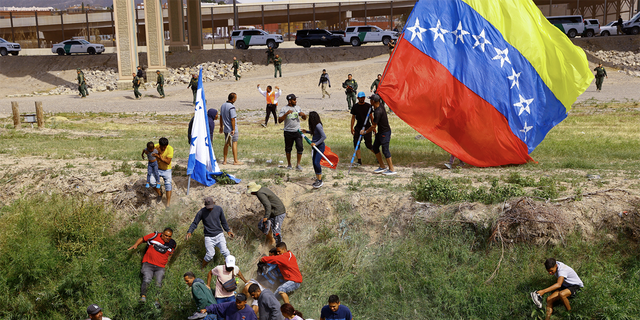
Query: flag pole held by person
{"type": "Point", "coordinates": [364, 127]}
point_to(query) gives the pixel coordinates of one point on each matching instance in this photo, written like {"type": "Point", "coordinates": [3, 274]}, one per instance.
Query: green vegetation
{"type": "Point", "coordinates": [60, 254]}
{"type": "Point", "coordinates": [441, 190]}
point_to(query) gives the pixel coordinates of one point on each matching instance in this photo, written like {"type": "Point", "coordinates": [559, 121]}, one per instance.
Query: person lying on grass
{"type": "Point", "coordinates": [566, 287]}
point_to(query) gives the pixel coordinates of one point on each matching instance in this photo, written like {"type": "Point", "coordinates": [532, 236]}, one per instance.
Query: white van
{"type": "Point", "coordinates": [570, 25]}
{"type": "Point", "coordinates": [632, 26]}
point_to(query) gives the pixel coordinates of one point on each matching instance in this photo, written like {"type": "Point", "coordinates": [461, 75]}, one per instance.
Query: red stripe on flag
{"type": "Point", "coordinates": [425, 95]}
{"type": "Point", "coordinates": [331, 156]}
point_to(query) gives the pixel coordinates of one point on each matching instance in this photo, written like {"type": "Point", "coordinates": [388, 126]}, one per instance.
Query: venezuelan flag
{"type": "Point", "coordinates": [484, 80]}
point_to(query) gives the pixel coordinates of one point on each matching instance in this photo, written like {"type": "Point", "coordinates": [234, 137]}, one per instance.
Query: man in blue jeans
{"type": "Point", "coordinates": [383, 135]}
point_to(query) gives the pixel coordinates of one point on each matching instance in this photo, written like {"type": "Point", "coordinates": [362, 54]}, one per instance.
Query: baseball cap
{"type": "Point", "coordinates": [230, 261]}
{"type": "Point", "coordinates": [291, 96]}
{"type": "Point", "coordinates": [375, 97]}
{"type": "Point", "coordinates": [209, 203]}
{"type": "Point", "coordinates": [157, 71]}
{"type": "Point", "coordinates": [361, 94]}
{"type": "Point", "coordinates": [253, 187]}
{"type": "Point", "coordinates": [93, 309]}
{"type": "Point", "coordinates": [241, 297]}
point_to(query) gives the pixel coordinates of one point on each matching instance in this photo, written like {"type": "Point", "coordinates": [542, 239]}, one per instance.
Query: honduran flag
{"type": "Point", "coordinates": [202, 165]}
{"type": "Point", "coordinates": [484, 80]}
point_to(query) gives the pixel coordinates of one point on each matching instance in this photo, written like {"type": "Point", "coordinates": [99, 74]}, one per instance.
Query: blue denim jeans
{"type": "Point", "coordinates": [152, 170]}
{"type": "Point", "coordinates": [227, 299]}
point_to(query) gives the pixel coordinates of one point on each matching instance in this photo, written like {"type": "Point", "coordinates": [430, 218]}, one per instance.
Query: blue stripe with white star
{"type": "Point", "coordinates": [477, 54]}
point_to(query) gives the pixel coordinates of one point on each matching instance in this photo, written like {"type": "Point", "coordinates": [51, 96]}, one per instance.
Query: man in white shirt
{"type": "Point", "coordinates": [272, 103]}
{"type": "Point", "coordinates": [566, 287]}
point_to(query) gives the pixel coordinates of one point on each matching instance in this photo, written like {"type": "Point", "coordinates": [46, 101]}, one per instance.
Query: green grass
{"type": "Point", "coordinates": [589, 138]}
{"type": "Point", "coordinates": [60, 254]}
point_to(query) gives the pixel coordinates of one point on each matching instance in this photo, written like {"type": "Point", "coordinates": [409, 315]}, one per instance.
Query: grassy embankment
{"type": "Point", "coordinates": [57, 254]}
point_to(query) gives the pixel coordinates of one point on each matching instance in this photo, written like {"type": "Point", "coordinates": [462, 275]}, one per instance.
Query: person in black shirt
{"type": "Point", "coordinates": [359, 113]}
{"type": "Point", "coordinates": [383, 136]}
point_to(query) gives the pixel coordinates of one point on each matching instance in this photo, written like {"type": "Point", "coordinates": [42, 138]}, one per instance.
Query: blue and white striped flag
{"type": "Point", "coordinates": [202, 165]}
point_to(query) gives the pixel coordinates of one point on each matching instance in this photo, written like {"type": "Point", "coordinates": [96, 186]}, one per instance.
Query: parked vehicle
{"type": "Point", "coordinates": [243, 39]}
{"type": "Point", "coordinates": [570, 25]}
{"type": "Point", "coordinates": [311, 37]}
{"type": "Point", "coordinates": [363, 34]}
{"type": "Point", "coordinates": [591, 27]}
{"type": "Point", "coordinates": [609, 29]}
{"type": "Point", "coordinates": [7, 47]}
{"type": "Point", "coordinates": [632, 26]}
{"type": "Point", "coordinates": [77, 46]}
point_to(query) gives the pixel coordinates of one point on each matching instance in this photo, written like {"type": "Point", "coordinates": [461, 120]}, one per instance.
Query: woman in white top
{"type": "Point", "coordinates": [223, 274]}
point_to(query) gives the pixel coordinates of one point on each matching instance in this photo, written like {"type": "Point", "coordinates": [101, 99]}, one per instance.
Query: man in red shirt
{"type": "Point", "coordinates": [288, 265]}
{"type": "Point", "coordinates": [160, 247]}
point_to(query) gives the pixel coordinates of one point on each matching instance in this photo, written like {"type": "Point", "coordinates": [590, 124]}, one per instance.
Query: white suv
{"type": "Point", "coordinates": [76, 46]}
{"type": "Point", "coordinates": [591, 27]}
{"type": "Point", "coordinates": [363, 34]}
{"type": "Point", "coordinates": [243, 39]}
{"type": "Point", "coordinates": [7, 47]}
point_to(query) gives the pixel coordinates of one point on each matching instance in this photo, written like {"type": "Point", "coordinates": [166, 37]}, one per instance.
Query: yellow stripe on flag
{"type": "Point", "coordinates": [561, 65]}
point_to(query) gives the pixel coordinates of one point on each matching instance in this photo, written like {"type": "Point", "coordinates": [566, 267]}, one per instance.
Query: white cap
{"type": "Point", "coordinates": [230, 261]}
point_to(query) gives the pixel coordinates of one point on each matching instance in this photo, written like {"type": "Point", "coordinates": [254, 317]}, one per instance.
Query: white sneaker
{"type": "Point", "coordinates": [537, 299]}
{"type": "Point", "coordinates": [389, 173]}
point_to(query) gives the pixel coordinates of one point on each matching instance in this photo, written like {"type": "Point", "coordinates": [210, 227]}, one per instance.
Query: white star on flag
{"type": "Point", "coordinates": [502, 55]}
{"type": "Point", "coordinates": [524, 105]}
{"type": "Point", "coordinates": [416, 30]}
{"type": "Point", "coordinates": [459, 33]}
{"type": "Point", "coordinates": [525, 130]}
{"type": "Point", "coordinates": [478, 43]}
{"type": "Point", "coordinates": [439, 32]}
{"type": "Point", "coordinates": [514, 77]}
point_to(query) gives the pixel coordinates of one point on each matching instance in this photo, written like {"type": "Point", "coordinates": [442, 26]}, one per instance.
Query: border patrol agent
{"type": "Point", "coordinates": [160, 83]}
{"type": "Point", "coordinates": [351, 87]}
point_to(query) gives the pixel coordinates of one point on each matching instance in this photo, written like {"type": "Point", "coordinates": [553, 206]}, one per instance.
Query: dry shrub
{"type": "Point", "coordinates": [526, 220]}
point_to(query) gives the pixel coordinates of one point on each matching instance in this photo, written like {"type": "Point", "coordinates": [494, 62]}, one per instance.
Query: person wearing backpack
{"type": "Point", "coordinates": [225, 280]}
{"type": "Point", "coordinates": [160, 247]}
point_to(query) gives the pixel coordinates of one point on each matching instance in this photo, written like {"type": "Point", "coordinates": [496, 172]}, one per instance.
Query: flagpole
{"type": "Point", "coordinates": [188, 184]}
{"type": "Point", "coordinates": [314, 147]}
{"type": "Point", "coordinates": [359, 140]}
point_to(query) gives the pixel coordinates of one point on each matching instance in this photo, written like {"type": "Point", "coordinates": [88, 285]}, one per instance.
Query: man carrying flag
{"type": "Point", "coordinates": [484, 80]}
{"type": "Point", "coordinates": [202, 163]}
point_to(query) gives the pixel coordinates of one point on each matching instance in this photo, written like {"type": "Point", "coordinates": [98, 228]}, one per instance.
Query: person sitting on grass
{"type": "Point", "coordinates": [233, 310]}
{"type": "Point", "coordinates": [316, 129]}
{"type": "Point", "coordinates": [289, 312]}
{"type": "Point", "coordinates": [152, 165]}
{"type": "Point", "coordinates": [201, 295]}
{"type": "Point", "coordinates": [566, 287]}
{"type": "Point", "coordinates": [334, 310]}
{"type": "Point", "coordinates": [288, 265]}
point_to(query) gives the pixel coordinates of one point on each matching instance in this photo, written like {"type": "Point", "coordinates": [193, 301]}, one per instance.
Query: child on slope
{"type": "Point", "coordinates": [152, 166]}
{"type": "Point", "coordinates": [316, 129]}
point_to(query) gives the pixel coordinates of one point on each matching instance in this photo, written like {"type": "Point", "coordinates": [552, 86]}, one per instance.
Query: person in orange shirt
{"type": "Point", "coordinates": [272, 103]}
{"type": "Point", "coordinates": [288, 265]}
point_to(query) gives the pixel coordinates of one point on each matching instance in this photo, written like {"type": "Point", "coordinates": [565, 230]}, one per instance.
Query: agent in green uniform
{"type": "Point", "coordinates": [193, 84]}
{"type": "Point", "coordinates": [351, 87]}
{"type": "Point", "coordinates": [236, 66]}
{"type": "Point", "coordinates": [375, 84]}
{"type": "Point", "coordinates": [277, 63]}
{"type": "Point", "coordinates": [82, 85]}
{"type": "Point", "coordinates": [136, 85]}
{"type": "Point", "coordinates": [601, 73]}
{"type": "Point", "coordinates": [270, 54]}
{"type": "Point", "coordinates": [160, 83]}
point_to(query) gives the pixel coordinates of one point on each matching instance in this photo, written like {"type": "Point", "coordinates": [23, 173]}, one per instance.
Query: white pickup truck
{"type": "Point", "coordinates": [363, 34]}
{"type": "Point", "coordinates": [7, 47]}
